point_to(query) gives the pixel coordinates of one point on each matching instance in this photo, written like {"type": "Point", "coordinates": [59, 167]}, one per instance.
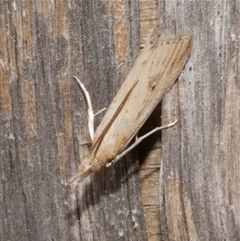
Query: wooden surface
{"type": "Point", "coordinates": [43, 120]}
{"type": "Point", "coordinates": [149, 150]}
{"type": "Point", "coordinates": [199, 173]}
{"type": "Point", "coordinates": [149, 156]}
{"type": "Point", "coordinates": [189, 173]}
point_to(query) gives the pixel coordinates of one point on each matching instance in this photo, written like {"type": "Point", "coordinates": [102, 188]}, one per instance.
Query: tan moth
{"type": "Point", "coordinates": [153, 74]}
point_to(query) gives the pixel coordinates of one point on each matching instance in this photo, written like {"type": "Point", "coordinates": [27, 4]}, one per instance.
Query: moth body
{"type": "Point", "coordinates": [153, 74]}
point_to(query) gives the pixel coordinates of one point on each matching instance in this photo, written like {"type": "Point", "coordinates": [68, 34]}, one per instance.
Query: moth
{"type": "Point", "coordinates": [154, 72]}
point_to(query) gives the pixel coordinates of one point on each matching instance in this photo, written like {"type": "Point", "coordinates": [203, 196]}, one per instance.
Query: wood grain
{"type": "Point", "coordinates": [200, 159]}
{"type": "Point", "coordinates": [43, 123]}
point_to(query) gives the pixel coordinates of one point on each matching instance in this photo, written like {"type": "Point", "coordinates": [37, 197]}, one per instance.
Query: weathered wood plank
{"type": "Point", "coordinates": [149, 150]}
{"type": "Point", "coordinates": [43, 121]}
{"type": "Point", "coordinates": [199, 184]}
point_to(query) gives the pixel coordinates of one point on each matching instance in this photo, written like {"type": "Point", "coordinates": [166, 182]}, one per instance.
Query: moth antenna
{"type": "Point", "coordinates": [90, 109]}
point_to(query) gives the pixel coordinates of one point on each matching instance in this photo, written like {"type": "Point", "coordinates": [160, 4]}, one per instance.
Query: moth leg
{"type": "Point", "coordinates": [100, 111]}
{"type": "Point", "coordinates": [138, 140]}
{"type": "Point", "coordinates": [86, 143]}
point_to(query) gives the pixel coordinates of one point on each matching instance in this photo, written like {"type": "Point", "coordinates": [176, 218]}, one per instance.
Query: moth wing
{"type": "Point", "coordinates": [153, 74]}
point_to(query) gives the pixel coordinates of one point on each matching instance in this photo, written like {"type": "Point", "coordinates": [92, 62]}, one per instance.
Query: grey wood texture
{"type": "Point", "coordinates": [43, 119]}
{"type": "Point", "coordinates": [199, 177]}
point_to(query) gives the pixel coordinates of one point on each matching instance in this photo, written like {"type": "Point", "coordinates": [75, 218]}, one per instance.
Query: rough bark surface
{"type": "Point", "coordinates": [43, 119]}
{"type": "Point", "coordinates": [199, 182]}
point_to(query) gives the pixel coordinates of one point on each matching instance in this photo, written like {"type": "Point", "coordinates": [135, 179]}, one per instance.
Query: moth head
{"type": "Point", "coordinates": [87, 166]}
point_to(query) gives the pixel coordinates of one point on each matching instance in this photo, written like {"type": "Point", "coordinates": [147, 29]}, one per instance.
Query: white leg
{"type": "Point", "coordinates": [138, 140]}
{"type": "Point", "coordinates": [100, 111]}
